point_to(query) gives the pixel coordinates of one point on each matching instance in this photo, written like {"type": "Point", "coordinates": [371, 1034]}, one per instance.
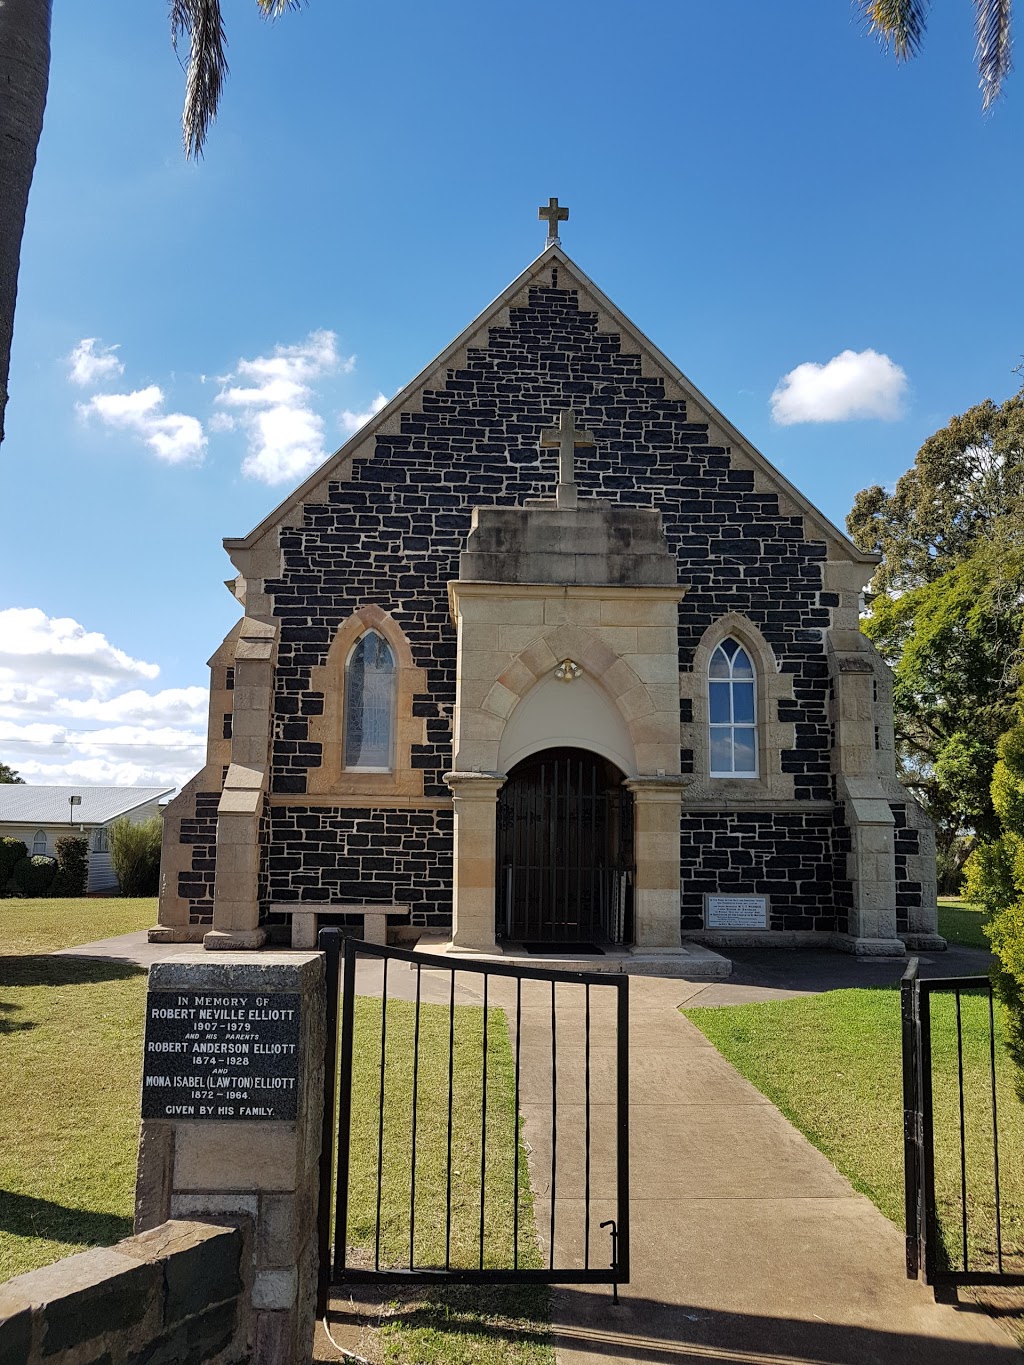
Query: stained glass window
{"type": "Point", "coordinates": [731, 702]}
{"type": "Point", "coordinates": [369, 704]}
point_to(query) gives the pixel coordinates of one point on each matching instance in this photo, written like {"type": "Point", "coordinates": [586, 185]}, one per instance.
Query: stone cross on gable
{"type": "Point", "coordinates": [554, 215]}
{"type": "Point", "coordinates": [566, 436]}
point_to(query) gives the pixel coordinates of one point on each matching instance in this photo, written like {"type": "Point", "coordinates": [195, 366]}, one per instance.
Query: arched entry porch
{"type": "Point", "coordinates": [565, 861]}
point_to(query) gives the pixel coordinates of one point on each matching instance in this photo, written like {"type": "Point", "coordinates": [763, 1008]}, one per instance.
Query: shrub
{"type": "Point", "coordinates": [11, 853]}
{"type": "Point", "coordinates": [1007, 934]}
{"type": "Point", "coordinates": [73, 866]}
{"type": "Point", "coordinates": [34, 876]}
{"type": "Point", "coordinates": [991, 873]}
{"type": "Point", "coordinates": [135, 853]}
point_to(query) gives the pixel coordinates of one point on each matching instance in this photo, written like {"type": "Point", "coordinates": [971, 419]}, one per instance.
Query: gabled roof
{"type": "Point", "coordinates": [28, 805]}
{"type": "Point", "coordinates": [610, 319]}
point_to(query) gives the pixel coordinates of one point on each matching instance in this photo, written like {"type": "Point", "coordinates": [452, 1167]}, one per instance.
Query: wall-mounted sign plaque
{"type": "Point", "coordinates": [736, 912]}
{"type": "Point", "coordinates": [221, 1056]}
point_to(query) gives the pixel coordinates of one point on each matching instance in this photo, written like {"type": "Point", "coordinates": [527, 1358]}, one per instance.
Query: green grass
{"type": "Point", "coordinates": [456, 1326]}
{"type": "Point", "coordinates": [960, 922]}
{"type": "Point", "coordinates": [832, 1064]}
{"type": "Point", "coordinates": [70, 1065]}
{"type": "Point", "coordinates": [42, 926]}
{"type": "Point", "coordinates": [70, 1062]}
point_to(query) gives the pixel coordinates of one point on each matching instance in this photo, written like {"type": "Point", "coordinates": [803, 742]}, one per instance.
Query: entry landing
{"type": "Point", "coordinates": [692, 962]}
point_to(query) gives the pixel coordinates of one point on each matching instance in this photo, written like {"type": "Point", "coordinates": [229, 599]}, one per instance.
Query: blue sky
{"type": "Point", "coordinates": [757, 186]}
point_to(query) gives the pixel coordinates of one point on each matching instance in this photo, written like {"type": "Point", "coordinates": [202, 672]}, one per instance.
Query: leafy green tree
{"type": "Point", "coordinates": [995, 878]}
{"type": "Point", "coordinates": [24, 77]}
{"type": "Point", "coordinates": [8, 775]}
{"type": "Point", "coordinates": [954, 644]}
{"type": "Point", "coordinates": [965, 480]}
{"type": "Point", "coordinates": [947, 610]}
{"type": "Point", "coordinates": [900, 24]}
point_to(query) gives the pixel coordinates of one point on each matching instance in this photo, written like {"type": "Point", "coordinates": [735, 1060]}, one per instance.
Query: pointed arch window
{"type": "Point", "coordinates": [732, 707]}
{"type": "Point", "coordinates": [39, 843]}
{"type": "Point", "coordinates": [369, 719]}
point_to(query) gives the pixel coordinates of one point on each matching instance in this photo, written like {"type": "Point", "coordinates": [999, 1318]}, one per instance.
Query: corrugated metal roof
{"type": "Point", "coordinates": [50, 805]}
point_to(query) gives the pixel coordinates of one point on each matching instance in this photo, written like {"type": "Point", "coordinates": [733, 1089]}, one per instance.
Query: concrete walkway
{"type": "Point", "coordinates": [134, 948]}
{"type": "Point", "coordinates": [747, 1244]}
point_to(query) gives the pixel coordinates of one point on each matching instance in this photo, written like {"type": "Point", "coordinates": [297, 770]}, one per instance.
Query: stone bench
{"type": "Point", "coordinates": [305, 913]}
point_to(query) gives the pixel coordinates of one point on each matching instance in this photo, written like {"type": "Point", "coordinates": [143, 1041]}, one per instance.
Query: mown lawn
{"type": "Point", "coordinates": [832, 1064]}
{"type": "Point", "coordinates": [43, 926]}
{"type": "Point", "coordinates": [961, 921]}
{"type": "Point", "coordinates": [70, 1067]}
{"type": "Point", "coordinates": [70, 1062]}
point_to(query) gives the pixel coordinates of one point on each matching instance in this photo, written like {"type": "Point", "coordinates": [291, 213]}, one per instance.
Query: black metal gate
{"type": "Point", "coordinates": [467, 1136]}
{"type": "Point", "coordinates": [565, 851]}
{"type": "Point", "coordinates": [952, 1129]}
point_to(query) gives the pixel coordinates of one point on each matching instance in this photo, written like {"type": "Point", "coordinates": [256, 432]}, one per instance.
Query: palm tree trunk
{"type": "Point", "coordinates": [24, 75]}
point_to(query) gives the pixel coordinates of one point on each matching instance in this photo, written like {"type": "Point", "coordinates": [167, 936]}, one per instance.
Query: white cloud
{"type": "Point", "coordinates": [352, 421]}
{"type": "Point", "coordinates": [44, 651]}
{"type": "Point", "coordinates": [91, 363]}
{"type": "Point", "coordinates": [172, 436]}
{"type": "Point", "coordinates": [222, 421]}
{"type": "Point", "coordinates": [853, 384]}
{"type": "Point", "coordinates": [285, 433]}
{"type": "Point", "coordinates": [72, 709]}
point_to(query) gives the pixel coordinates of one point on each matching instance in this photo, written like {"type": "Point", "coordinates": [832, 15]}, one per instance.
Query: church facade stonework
{"type": "Point", "coordinates": [548, 649]}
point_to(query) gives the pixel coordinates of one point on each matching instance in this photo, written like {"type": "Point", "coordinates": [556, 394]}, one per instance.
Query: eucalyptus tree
{"type": "Point", "coordinates": [900, 24]}
{"type": "Point", "coordinates": [24, 77]}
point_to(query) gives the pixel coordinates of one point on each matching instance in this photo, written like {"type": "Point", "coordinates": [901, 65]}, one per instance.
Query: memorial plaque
{"type": "Point", "coordinates": [218, 1055]}
{"type": "Point", "coordinates": [736, 912]}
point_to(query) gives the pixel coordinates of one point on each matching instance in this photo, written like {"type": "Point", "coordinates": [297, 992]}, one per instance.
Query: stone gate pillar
{"type": "Point", "coordinates": [232, 1104]}
{"type": "Point", "coordinates": [475, 798]}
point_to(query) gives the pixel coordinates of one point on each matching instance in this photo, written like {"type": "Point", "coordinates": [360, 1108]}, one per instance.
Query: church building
{"type": "Point", "coordinates": [548, 654]}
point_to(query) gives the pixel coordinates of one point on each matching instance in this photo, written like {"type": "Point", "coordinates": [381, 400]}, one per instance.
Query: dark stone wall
{"type": "Point", "coordinates": [797, 859]}
{"type": "Point", "coordinates": [200, 832]}
{"type": "Point", "coordinates": [393, 534]}
{"type": "Point", "coordinates": [371, 855]}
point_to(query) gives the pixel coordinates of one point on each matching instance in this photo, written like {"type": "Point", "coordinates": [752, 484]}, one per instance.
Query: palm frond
{"type": "Point", "coordinates": [201, 23]}
{"type": "Point", "coordinates": [273, 9]}
{"type": "Point", "coordinates": [992, 24]}
{"type": "Point", "coordinates": [900, 24]}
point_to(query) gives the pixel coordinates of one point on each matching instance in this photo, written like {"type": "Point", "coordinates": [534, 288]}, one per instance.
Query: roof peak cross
{"type": "Point", "coordinates": [566, 436]}
{"type": "Point", "coordinates": [554, 215]}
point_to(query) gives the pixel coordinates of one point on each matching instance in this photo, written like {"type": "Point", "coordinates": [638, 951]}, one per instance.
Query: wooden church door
{"type": "Point", "coordinates": [565, 851]}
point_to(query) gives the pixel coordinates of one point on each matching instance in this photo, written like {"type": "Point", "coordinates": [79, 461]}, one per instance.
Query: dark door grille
{"type": "Point", "coordinates": [565, 851]}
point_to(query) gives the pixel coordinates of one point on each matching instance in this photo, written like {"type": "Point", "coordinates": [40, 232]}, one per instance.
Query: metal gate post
{"type": "Point", "coordinates": [329, 943]}
{"type": "Point", "coordinates": [348, 1003]}
{"type": "Point", "coordinates": [929, 1221]}
{"type": "Point", "coordinates": [622, 1115]}
{"type": "Point", "coordinates": [911, 1119]}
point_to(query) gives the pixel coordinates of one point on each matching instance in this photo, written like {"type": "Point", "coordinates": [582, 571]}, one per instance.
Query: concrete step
{"type": "Point", "coordinates": [693, 962]}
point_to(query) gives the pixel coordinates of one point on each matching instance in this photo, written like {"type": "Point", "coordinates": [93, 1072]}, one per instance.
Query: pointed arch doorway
{"type": "Point", "coordinates": [565, 851]}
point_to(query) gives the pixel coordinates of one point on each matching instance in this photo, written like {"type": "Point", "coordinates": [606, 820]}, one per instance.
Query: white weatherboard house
{"type": "Point", "coordinates": [39, 816]}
